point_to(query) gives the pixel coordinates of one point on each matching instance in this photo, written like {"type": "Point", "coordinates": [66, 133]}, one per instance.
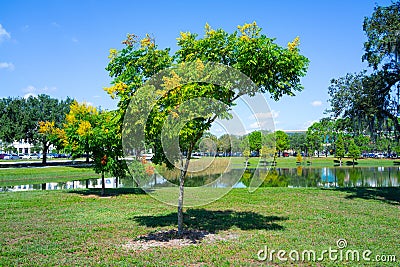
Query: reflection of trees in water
{"type": "Point", "coordinates": [272, 178]}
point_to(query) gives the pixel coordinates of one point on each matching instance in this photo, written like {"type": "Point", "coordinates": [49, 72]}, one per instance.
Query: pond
{"type": "Point", "coordinates": [276, 177]}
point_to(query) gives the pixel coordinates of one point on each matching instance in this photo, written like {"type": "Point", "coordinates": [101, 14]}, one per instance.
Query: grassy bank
{"type": "Point", "coordinates": [79, 228]}
{"type": "Point", "coordinates": [318, 162]}
{"type": "Point", "coordinates": [17, 176]}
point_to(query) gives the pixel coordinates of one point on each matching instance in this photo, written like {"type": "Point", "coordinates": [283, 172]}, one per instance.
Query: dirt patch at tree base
{"type": "Point", "coordinates": [170, 239]}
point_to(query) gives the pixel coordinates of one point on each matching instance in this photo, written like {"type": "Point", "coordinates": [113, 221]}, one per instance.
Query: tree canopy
{"type": "Point", "coordinates": [183, 102]}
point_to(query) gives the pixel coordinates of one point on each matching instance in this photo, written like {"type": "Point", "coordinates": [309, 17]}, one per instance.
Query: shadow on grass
{"type": "Point", "coordinates": [214, 221]}
{"type": "Point", "coordinates": [108, 191]}
{"type": "Point", "coordinates": [390, 195]}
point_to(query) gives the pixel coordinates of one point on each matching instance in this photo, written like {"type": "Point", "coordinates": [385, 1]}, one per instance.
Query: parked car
{"type": "Point", "coordinates": [25, 156]}
{"type": "Point", "coordinates": [34, 156]}
{"type": "Point", "coordinates": [11, 156]}
{"type": "Point", "coordinates": [2, 155]}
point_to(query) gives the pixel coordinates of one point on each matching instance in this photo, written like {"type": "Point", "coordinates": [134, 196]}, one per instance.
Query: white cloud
{"type": "Point", "coordinates": [316, 103]}
{"type": "Point", "coordinates": [26, 96]}
{"type": "Point", "coordinates": [4, 34]}
{"type": "Point", "coordinates": [31, 90]}
{"type": "Point", "coordinates": [7, 65]}
{"type": "Point", "coordinates": [75, 40]}
{"type": "Point", "coordinates": [266, 115]}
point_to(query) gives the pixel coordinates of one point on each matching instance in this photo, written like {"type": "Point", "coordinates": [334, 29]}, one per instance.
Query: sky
{"type": "Point", "coordinates": [61, 47]}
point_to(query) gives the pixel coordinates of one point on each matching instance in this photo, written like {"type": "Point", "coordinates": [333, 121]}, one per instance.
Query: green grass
{"type": "Point", "coordinates": [318, 162]}
{"type": "Point", "coordinates": [77, 228]}
{"type": "Point", "coordinates": [17, 176]}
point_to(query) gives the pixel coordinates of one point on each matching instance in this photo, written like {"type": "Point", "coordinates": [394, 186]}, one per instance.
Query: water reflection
{"type": "Point", "coordinates": [275, 177]}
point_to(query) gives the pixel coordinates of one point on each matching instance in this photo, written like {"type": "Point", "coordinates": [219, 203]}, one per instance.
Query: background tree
{"type": "Point", "coordinates": [247, 51]}
{"type": "Point", "coordinates": [79, 123]}
{"type": "Point", "coordinates": [20, 119]}
{"type": "Point", "coordinates": [282, 141]}
{"type": "Point", "coordinates": [246, 155]}
{"type": "Point", "coordinates": [297, 141]}
{"type": "Point", "coordinates": [369, 104]}
{"type": "Point", "coordinates": [224, 143]}
{"type": "Point", "coordinates": [314, 138]}
{"type": "Point", "coordinates": [255, 141]}
{"type": "Point", "coordinates": [97, 134]}
{"type": "Point", "coordinates": [354, 151]}
{"type": "Point", "coordinates": [340, 151]}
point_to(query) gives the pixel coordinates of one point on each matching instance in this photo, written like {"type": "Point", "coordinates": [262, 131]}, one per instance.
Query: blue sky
{"type": "Point", "coordinates": [60, 47]}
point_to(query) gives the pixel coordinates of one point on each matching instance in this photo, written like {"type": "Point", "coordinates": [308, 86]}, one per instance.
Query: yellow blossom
{"type": "Point", "coordinates": [294, 44]}
{"type": "Point", "coordinates": [249, 30]}
{"type": "Point", "coordinates": [172, 82]}
{"type": "Point", "coordinates": [116, 89]}
{"type": "Point", "coordinates": [199, 66]}
{"type": "Point", "coordinates": [46, 127]}
{"type": "Point", "coordinates": [84, 128]}
{"type": "Point", "coordinates": [147, 41]}
{"type": "Point", "coordinates": [113, 53]}
{"type": "Point", "coordinates": [184, 36]}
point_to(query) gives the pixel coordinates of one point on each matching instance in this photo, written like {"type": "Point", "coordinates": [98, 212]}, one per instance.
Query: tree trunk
{"type": "Point", "coordinates": [44, 186]}
{"type": "Point", "coordinates": [103, 184]}
{"type": "Point", "coordinates": [45, 148]}
{"type": "Point", "coordinates": [87, 157]}
{"type": "Point", "coordinates": [87, 183]}
{"type": "Point", "coordinates": [340, 160]}
{"type": "Point", "coordinates": [181, 191]}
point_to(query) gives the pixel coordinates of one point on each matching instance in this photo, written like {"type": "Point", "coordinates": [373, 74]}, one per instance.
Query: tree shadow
{"type": "Point", "coordinates": [390, 195]}
{"type": "Point", "coordinates": [108, 192]}
{"type": "Point", "coordinates": [214, 221]}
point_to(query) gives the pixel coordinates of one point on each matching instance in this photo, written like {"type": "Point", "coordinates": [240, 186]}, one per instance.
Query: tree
{"type": "Point", "coordinates": [247, 51]}
{"type": "Point", "coordinates": [224, 143]}
{"type": "Point", "coordinates": [255, 141]}
{"type": "Point", "coordinates": [383, 32]}
{"type": "Point", "coordinates": [354, 151]}
{"type": "Point", "coordinates": [97, 134]}
{"type": "Point", "coordinates": [370, 103]}
{"type": "Point", "coordinates": [245, 143]}
{"type": "Point", "coordinates": [282, 141]}
{"type": "Point", "coordinates": [297, 141]}
{"type": "Point", "coordinates": [299, 158]}
{"type": "Point", "coordinates": [246, 155]}
{"type": "Point", "coordinates": [314, 138]}
{"type": "Point", "coordinates": [33, 119]}
{"type": "Point", "coordinates": [79, 123]}
{"type": "Point", "coordinates": [340, 151]}
{"type": "Point", "coordinates": [50, 134]}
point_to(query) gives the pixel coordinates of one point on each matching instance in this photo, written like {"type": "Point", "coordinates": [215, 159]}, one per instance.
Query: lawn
{"type": "Point", "coordinates": [318, 162]}
{"type": "Point", "coordinates": [76, 228]}
{"type": "Point", "coordinates": [37, 175]}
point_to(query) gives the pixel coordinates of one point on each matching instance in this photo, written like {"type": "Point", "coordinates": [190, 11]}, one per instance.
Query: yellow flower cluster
{"type": "Point", "coordinates": [113, 53]}
{"type": "Point", "coordinates": [116, 89]}
{"type": "Point", "coordinates": [184, 36]}
{"type": "Point", "coordinates": [77, 109]}
{"type": "Point", "coordinates": [249, 30]}
{"type": "Point", "coordinates": [172, 82]}
{"type": "Point", "coordinates": [294, 44]}
{"type": "Point", "coordinates": [199, 66]}
{"type": "Point", "coordinates": [46, 127]}
{"type": "Point", "coordinates": [84, 128]}
{"type": "Point", "coordinates": [147, 41]}
{"type": "Point", "coordinates": [209, 30]}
